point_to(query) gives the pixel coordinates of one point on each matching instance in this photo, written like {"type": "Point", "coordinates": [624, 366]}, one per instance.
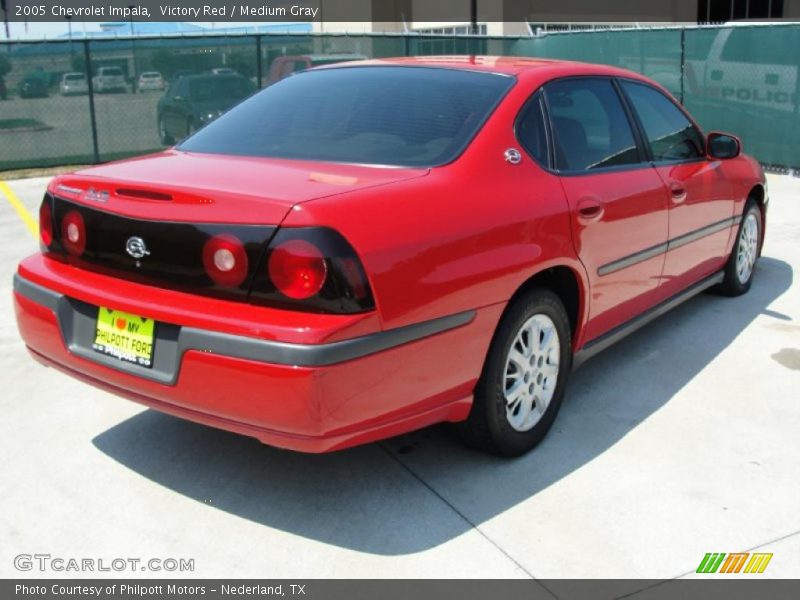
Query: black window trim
{"type": "Point", "coordinates": [640, 126]}
{"type": "Point", "coordinates": [642, 144]}
{"type": "Point", "coordinates": [644, 161]}
{"type": "Point", "coordinates": [537, 97]}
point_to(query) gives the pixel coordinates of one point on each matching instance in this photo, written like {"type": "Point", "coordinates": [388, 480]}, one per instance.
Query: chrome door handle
{"type": "Point", "coordinates": [590, 211]}
{"type": "Point", "coordinates": [678, 192]}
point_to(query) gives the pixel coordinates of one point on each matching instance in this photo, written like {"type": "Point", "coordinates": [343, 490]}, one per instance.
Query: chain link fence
{"type": "Point", "coordinates": [89, 101]}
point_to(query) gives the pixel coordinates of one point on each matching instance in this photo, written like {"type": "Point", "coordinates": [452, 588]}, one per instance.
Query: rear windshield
{"type": "Point", "coordinates": [112, 71]}
{"type": "Point", "coordinates": [404, 116]}
{"type": "Point", "coordinates": [74, 77]}
{"type": "Point", "coordinates": [215, 88]}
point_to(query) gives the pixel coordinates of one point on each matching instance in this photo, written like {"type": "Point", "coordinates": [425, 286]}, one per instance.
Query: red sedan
{"type": "Point", "coordinates": [366, 249]}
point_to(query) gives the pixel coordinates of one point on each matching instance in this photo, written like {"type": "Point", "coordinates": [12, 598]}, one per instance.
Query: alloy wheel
{"type": "Point", "coordinates": [531, 372]}
{"type": "Point", "coordinates": [747, 249]}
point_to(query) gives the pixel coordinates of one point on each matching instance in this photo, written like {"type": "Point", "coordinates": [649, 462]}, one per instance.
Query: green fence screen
{"type": "Point", "coordinates": [739, 79]}
{"type": "Point", "coordinates": [57, 105]}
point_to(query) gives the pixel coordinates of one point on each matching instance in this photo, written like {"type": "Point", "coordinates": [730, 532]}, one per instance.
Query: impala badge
{"type": "Point", "coordinates": [136, 248]}
{"type": "Point", "coordinates": [95, 195]}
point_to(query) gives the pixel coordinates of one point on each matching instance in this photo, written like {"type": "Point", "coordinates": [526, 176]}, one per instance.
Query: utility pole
{"type": "Point", "coordinates": [473, 16]}
{"type": "Point", "coordinates": [133, 48]}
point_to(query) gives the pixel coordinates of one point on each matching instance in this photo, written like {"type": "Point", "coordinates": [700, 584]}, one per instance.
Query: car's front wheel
{"type": "Point", "coordinates": [743, 257]}
{"type": "Point", "coordinates": [523, 381]}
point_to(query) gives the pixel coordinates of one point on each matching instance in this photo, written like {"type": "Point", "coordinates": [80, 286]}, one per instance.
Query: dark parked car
{"type": "Point", "coordinates": [181, 73]}
{"type": "Point", "coordinates": [32, 86]}
{"type": "Point", "coordinates": [193, 101]}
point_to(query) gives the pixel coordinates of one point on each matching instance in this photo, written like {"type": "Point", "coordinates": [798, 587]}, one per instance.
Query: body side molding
{"type": "Point", "coordinates": [598, 344]}
{"type": "Point", "coordinates": [677, 242]}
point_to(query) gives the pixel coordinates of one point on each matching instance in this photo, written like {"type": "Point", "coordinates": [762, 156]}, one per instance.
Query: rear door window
{"type": "Point", "coordinates": [590, 127]}
{"type": "Point", "coordinates": [750, 45]}
{"type": "Point", "coordinates": [181, 89]}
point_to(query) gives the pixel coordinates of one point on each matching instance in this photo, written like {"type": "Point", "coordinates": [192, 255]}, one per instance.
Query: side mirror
{"type": "Point", "coordinates": [722, 145]}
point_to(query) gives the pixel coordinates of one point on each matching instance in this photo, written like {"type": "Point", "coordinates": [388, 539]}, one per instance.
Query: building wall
{"type": "Point", "coordinates": [791, 9]}
{"type": "Point", "coordinates": [619, 10]}
{"type": "Point", "coordinates": [378, 16]}
{"type": "Point", "coordinates": [507, 17]}
{"type": "Point", "coordinates": [395, 13]}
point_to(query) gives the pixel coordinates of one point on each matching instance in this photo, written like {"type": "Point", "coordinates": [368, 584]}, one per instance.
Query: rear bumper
{"type": "Point", "coordinates": [309, 397]}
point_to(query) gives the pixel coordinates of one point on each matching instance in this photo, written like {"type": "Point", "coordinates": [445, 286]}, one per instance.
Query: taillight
{"type": "Point", "coordinates": [73, 233]}
{"type": "Point", "coordinates": [225, 260]}
{"type": "Point", "coordinates": [46, 223]}
{"type": "Point", "coordinates": [313, 269]}
{"type": "Point", "coordinates": [298, 269]}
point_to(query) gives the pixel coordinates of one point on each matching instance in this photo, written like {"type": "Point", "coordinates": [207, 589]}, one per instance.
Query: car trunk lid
{"type": "Point", "coordinates": [207, 188]}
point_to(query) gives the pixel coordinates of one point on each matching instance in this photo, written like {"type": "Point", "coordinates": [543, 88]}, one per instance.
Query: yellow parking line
{"type": "Point", "coordinates": [18, 206]}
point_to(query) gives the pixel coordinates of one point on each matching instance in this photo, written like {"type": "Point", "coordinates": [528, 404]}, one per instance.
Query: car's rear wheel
{"type": "Point", "coordinates": [166, 138]}
{"type": "Point", "coordinates": [742, 261]}
{"type": "Point", "coordinates": [522, 384]}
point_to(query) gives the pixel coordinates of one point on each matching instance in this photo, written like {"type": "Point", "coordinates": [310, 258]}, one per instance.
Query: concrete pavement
{"type": "Point", "coordinates": [680, 440]}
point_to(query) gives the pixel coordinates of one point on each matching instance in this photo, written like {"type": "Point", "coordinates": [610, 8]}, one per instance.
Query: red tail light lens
{"type": "Point", "coordinates": [313, 269]}
{"type": "Point", "coordinates": [297, 268]}
{"type": "Point", "coordinates": [73, 233]}
{"type": "Point", "coordinates": [46, 224]}
{"type": "Point", "coordinates": [225, 260]}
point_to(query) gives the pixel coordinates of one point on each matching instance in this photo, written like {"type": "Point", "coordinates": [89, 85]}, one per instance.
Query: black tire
{"type": "Point", "coordinates": [732, 284]}
{"type": "Point", "coordinates": [488, 427]}
{"type": "Point", "coordinates": [165, 137]}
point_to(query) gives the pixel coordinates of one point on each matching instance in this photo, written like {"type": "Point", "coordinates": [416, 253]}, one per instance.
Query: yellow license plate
{"type": "Point", "coordinates": [124, 336]}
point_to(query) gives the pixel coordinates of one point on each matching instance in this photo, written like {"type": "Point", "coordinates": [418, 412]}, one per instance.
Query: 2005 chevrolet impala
{"type": "Point", "coordinates": [365, 249]}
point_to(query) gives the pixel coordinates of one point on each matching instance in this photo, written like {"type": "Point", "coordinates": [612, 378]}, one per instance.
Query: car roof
{"type": "Point", "coordinates": [213, 76]}
{"type": "Point", "coordinates": [506, 65]}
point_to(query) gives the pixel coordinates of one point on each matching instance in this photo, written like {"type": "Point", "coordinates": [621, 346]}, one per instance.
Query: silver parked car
{"type": "Point", "coordinates": [73, 83]}
{"type": "Point", "coordinates": [109, 79]}
{"type": "Point", "coordinates": [151, 80]}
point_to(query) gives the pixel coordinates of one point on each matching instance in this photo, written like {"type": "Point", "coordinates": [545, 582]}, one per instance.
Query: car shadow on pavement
{"type": "Point", "coordinates": [420, 490]}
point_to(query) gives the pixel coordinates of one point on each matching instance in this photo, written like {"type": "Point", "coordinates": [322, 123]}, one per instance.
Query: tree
{"type": "Point", "coordinates": [78, 63]}
{"type": "Point", "coordinates": [164, 62]}
{"type": "Point", "coordinates": [243, 63]}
